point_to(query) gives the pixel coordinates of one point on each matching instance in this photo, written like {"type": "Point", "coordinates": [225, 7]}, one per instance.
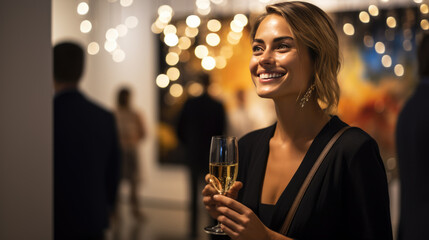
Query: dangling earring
{"type": "Point", "coordinates": [307, 95]}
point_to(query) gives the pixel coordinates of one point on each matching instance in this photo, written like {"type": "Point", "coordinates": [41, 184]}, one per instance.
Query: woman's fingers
{"type": "Point", "coordinates": [233, 191]}
{"type": "Point", "coordinates": [230, 203]}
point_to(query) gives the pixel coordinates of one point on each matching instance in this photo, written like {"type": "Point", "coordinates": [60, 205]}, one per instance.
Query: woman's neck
{"type": "Point", "coordinates": [298, 124]}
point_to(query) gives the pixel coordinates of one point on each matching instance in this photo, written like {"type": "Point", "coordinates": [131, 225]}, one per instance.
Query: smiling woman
{"type": "Point", "coordinates": [295, 63]}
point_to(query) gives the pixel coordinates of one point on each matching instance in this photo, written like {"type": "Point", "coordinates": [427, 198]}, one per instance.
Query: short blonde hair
{"type": "Point", "coordinates": [313, 28]}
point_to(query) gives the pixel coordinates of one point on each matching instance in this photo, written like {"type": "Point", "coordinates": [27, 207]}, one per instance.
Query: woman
{"type": "Point", "coordinates": [295, 63]}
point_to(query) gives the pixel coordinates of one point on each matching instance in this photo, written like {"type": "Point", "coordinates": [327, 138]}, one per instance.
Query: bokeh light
{"type": "Point", "coordinates": [176, 90]}
{"type": "Point", "coordinates": [380, 48]}
{"type": "Point", "coordinates": [172, 58]}
{"type": "Point", "coordinates": [201, 51]}
{"type": "Point", "coordinates": [348, 29]}
{"type": "Point", "coordinates": [93, 48]}
{"type": "Point", "coordinates": [82, 8]}
{"type": "Point", "coordinates": [193, 21]}
{"type": "Point", "coordinates": [373, 10]}
{"type": "Point", "coordinates": [85, 26]}
{"type": "Point", "coordinates": [208, 63]}
{"type": "Point", "coordinates": [214, 25]}
{"type": "Point", "coordinates": [173, 73]}
{"type": "Point", "coordinates": [162, 81]}
{"type": "Point", "coordinates": [364, 17]}
{"type": "Point", "coordinates": [399, 70]}
{"type": "Point", "coordinates": [386, 60]}
{"type": "Point", "coordinates": [213, 39]}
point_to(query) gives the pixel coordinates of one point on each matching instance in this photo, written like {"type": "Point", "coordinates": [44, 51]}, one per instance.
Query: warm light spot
{"type": "Point", "coordinates": [214, 25]}
{"type": "Point", "coordinates": [349, 29]}
{"type": "Point", "coordinates": [162, 81]}
{"type": "Point", "coordinates": [364, 17]}
{"type": "Point", "coordinates": [220, 62]}
{"type": "Point", "coordinates": [213, 39]}
{"type": "Point", "coordinates": [373, 10]}
{"type": "Point", "coordinates": [112, 34]}
{"type": "Point", "coordinates": [424, 24]}
{"type": "Point", "coordinates": [193, 21]}
{"type": "Point", "coordinates": [391, 22]}
{"type": "Point", "coordinates": [424, 9]}
{"type": "Point", "coordinates": [110, 45]}
{"type": "Point", "coordinates": [241, 20]}
{"type": "Point", "coordinates": [380, 48]}
{"type": "Point", "coordinates": [234, 37]}
{"type": "Point", "coordinates": [236, 26]}
{"type": "Point", "coordinates": [173, 73]}
{"type": "Point", "coordinates": [170, 29]}
{"type": "Point", "coordinates": [165, 10]}
{"type": "Point", "coordinates": [195, 89]}
{"type": "Point", "coordinates": [131, 22]}
{"type": "Point", "coordinates": [202, 4]}
{"type": "Point", "coordinates": [184, 43]}
{"type": "Point", "coordinates": [386, 60]}
{"type": "Point", "coordinates": [126, 3]}
{"type": "Point", "coordinates": [172, 58]}
{"type": "Point", "coordinates": [208, 63]}
{"type": "Point", "coordinates": [155, 29]}
{"type": "Point", "coordinates": [82, 8]}
{"type": "Point", "coordinates": [122, 30]}
{"type": "Point", "coordinates": [93, 48]}
{"type": "Point", "coordinates": [118, 55]}
{"type": "Point", "coordinates": [368, 41]}
{"type": "Point", "coordinates": [399, 70]}
{"type": "Point", "coordinates": [176, 90]}
{"type": "Point", "coordinates": [201, 51]}
{"type": "Point", "coordinates": [418, 1]}
{"type": "Point", "coordinates": [171, 39]}
{"type": "Point", "coordinates": [191, 32]}
{"type": "Point", "coordinates": [85, 26]}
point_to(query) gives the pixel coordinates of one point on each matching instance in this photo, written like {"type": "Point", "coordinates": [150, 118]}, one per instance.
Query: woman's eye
{"type": "Point", "coordinates": [257, 49]}
{"type": "Point", "coordinates": [283, 46]}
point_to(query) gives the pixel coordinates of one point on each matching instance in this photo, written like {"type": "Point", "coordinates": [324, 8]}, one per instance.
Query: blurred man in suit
{"type": "Point", "coordinates": [86, 153]}
{"type": "Point", "coordinates": [413, 155]}
{"type": "Point", "coordinates": [201, 118]}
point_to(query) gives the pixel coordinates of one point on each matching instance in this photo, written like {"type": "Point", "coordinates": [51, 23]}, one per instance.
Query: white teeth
{"type": "Point", "coordinates": [270, 75]}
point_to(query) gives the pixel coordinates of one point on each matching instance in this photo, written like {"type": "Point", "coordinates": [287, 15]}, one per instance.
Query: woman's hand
{"type": "Point", "coordinates": [238, 221]}
{"type": "Point", "coordinates": [209, 191]}
{"type": "Point", "coordinates": [241, 223]}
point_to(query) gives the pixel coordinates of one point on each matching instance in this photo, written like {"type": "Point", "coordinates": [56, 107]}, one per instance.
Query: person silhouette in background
{"type": "Point", "coordinates": [412, 132]}
{"type": "Point", "coordinates": [86, 153]}
{"type": "Point", "coordinates": [201, 118]}
{"type": "Point", "coordinates": [131, 132]}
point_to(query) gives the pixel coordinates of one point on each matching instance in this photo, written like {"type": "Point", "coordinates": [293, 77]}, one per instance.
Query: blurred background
{"type": "Point", "coordinates": [158, 49]}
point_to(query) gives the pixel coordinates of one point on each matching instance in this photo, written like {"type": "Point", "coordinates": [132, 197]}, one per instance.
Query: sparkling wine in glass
{"type": "Point", "coordinates": [223, 167]}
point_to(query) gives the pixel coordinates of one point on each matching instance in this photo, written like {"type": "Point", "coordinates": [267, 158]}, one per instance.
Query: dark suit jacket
{"type": "Point", "coordinates": [413, 157]}
{"type": "Point", "coordinates": [201, 118]}
{"type": "Point", "coordinates": [347, 198]}
{"type": "Point", "coordinates": [86, 166]}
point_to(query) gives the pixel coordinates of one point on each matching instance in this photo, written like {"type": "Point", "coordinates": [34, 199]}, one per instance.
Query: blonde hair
{"type": "Point", "coordinates": [313, 28]}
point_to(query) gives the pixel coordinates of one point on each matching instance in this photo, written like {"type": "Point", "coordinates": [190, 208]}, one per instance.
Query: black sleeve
{"type": "Point", "coordinates": [367, 199]}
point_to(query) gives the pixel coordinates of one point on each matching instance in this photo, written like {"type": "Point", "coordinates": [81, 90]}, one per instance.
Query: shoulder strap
{"type": "Point", "coordinates": [304, 186]}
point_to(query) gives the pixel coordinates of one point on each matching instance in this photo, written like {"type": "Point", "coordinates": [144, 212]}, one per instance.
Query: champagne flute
{"type": "Point", "coordinates": [223, 166]}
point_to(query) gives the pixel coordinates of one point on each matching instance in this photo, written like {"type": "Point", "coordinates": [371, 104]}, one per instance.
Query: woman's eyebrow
{"type": "Point", "coordinates": [275, 39]}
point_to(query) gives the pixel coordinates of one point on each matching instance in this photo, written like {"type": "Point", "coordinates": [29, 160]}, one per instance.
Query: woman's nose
{"type": "Point", "coordinates": [266, 58]}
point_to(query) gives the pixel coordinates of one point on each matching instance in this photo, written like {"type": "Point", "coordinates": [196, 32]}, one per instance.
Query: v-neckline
{"type": "Point", "coordinates": [284, 202]}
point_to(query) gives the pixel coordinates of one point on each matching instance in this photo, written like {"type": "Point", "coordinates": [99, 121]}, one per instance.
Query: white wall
{"type": "Point", "coordinates": [25, 120]}
{"type": "Point", "coordinates": [103, 76]}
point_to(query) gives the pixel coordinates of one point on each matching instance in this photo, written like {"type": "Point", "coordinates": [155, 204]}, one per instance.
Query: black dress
{"type": "Point", "coordinates": [347, 198]}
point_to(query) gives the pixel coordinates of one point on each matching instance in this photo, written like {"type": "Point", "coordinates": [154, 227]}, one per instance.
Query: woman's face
{"type": "Point", "coordinates": [278, 69]}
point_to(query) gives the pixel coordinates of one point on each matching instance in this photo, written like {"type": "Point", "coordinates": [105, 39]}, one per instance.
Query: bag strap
{"type": "Point", "coordinates": [304, 186]}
